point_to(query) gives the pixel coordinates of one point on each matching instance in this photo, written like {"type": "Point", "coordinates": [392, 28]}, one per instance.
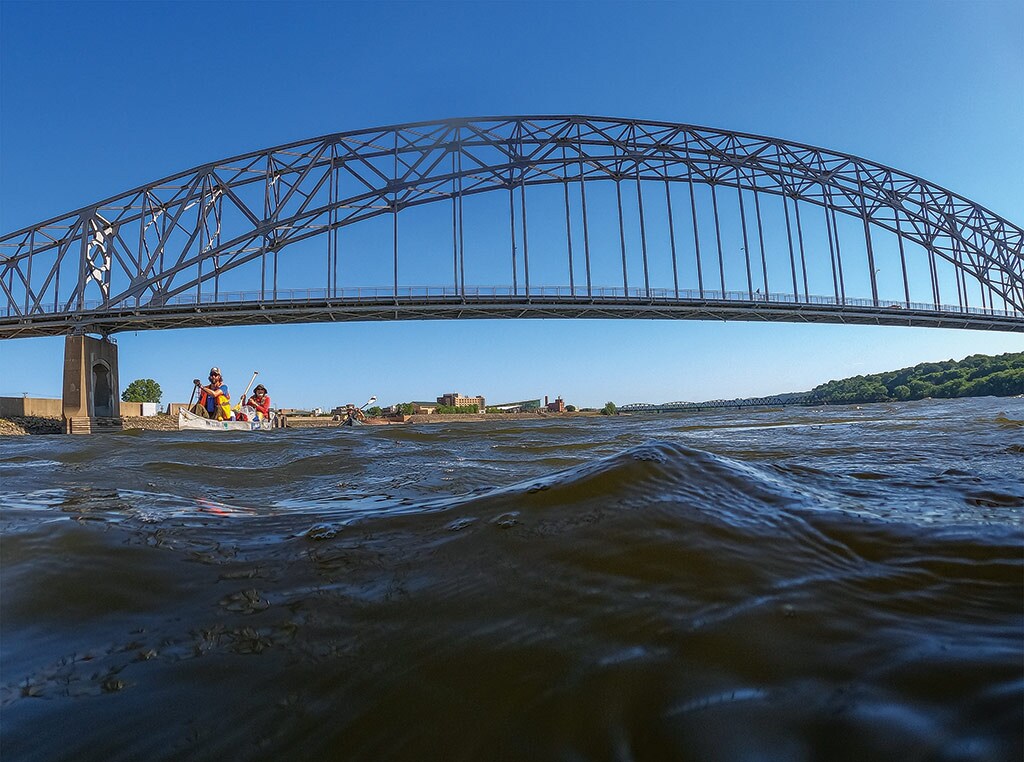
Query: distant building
{"type": "Point", "coordinates": [457, 400]}
{"type": "Point", "coordinates": [139, 408]}
{"type": "Point", "coordinates": [424, 408]}
{"type": "Point", "coordinates": [558, 406]}
{"type": "Point", "coordinates": [174, 407]}
{"type": "Point", "coordinates": [522, 406]}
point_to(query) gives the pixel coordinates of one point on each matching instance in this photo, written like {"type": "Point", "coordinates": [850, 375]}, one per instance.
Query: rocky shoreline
{"type": "Point", "coordinates": [151, 422]}
{"type": "Point", "coordinates": [24, 425]}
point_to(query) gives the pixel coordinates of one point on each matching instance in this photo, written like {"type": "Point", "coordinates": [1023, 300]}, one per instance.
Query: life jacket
{"type": "Point", "coordinates": [261, 410]}
{"type": "Point", "coordinates": [221, 404]}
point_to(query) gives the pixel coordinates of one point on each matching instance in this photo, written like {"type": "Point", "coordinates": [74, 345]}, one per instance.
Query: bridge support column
{"type": "Point", "coordinates": [92, 399]}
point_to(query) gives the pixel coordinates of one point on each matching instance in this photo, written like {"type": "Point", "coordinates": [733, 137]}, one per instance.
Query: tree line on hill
{"type": "Point", "coordinates": [974, 376]}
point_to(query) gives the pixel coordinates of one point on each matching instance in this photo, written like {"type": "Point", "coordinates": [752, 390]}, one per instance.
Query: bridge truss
{"type": "Point", "coordinates": [523, 216]}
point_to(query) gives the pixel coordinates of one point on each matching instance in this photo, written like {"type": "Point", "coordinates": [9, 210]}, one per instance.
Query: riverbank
{"type": "Point", "coordinates": [21, 425]}
{"type": "Point", "coordinates": [309, 422]}
{"type": "Point", "coordinates": [151, 422]}
{"type": "Point", "coordinates": [25, 425]}
{"type": "Point", "coordinates": [531, 416]}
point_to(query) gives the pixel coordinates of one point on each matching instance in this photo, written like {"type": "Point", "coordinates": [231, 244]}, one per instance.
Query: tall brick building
{"type": "Point", "coordinates": [457, 400]}
{"type": "Point", "coordinates": [558, 406]}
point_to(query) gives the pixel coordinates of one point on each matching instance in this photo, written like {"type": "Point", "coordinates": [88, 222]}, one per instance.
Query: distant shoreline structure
{"type": "Point", "coordinates": [974, 376]}
{"type": "Point", "coordinates": [778, 400]}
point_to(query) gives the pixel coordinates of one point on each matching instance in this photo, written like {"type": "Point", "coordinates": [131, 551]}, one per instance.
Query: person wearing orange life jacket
{"type": "Point", "coordinates": [260, 402]}
{"type": "Point", "coordinates": [214, 399]}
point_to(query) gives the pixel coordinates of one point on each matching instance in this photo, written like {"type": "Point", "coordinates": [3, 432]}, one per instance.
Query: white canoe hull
{"type": "Point", "coordinates": [191, 422]}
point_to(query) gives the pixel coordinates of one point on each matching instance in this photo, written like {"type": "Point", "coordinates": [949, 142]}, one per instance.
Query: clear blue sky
{"type": "Point", "coordinates": [97, 98]}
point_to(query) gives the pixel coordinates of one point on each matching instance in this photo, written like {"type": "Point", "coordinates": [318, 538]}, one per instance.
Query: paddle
{"type": "Point", "coordinates": [369, 402]}
{"type": "Point", "coordinates": [245, 394]}
{"type": "Point", "coordinates": [195, 388]}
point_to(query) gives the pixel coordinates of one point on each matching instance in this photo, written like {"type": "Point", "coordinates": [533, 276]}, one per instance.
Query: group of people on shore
{"type": "Point", "coordinates": [215, 400]}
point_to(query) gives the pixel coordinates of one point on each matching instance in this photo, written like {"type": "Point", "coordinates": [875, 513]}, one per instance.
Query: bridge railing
{"type": "Point", "coordinates": [443, 294]}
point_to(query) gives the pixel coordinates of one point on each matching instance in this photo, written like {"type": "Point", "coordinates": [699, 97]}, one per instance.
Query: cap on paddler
{"type": "Point", "coordinates": [214, 371]}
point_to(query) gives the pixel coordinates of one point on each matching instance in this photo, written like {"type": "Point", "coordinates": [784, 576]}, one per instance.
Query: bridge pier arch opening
{"type": "Point", "coordinates": [91, 396]}
{"type": "Point", "coordinates": [102, 402]}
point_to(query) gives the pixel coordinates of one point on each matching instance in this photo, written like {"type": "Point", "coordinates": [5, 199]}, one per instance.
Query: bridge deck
{"type": "Point", "coordinates": [424, 304]}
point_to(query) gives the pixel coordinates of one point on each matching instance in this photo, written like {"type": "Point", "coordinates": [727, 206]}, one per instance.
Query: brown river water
{"type": "Point", "coordinates": [833, 583]}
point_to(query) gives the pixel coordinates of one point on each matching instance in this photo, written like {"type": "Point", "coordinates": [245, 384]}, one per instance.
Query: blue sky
{"type": "Point", "coordinates": [96, 98]}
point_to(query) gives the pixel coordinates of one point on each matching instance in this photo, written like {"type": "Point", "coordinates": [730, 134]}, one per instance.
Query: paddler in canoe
{"type": "Point", "coordinates": [260, 402]}
{"type": "Point", "coordinates": [214, 400]}
{"type": "Point", "coordinates": [354, 416]}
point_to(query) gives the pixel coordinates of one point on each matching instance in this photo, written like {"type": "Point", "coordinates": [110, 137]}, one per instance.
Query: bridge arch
{"type": "Point", "coordinates": [707, 224]}
{"type": "Point", "coordinates": [102, 389]}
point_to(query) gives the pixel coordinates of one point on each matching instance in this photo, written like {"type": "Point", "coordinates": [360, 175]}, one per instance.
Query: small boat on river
{"type": "Point", "coordinates": [354, 416]}
{"type": "Point", "coordinates": [191, 422]}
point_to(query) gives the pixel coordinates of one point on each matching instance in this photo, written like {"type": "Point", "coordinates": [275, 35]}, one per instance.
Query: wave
{"type": "Point", "coordinates": [784, 593]}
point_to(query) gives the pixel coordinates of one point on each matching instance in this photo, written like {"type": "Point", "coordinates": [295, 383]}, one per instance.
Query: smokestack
{"type": "Point", "coordinates": [545, 400]}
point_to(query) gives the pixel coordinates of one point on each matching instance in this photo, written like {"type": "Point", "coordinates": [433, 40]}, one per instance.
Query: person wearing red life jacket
{"type": "Point", "coordinates": [214, 400]}
{"type": "Point", "coordinates": [260, 402]}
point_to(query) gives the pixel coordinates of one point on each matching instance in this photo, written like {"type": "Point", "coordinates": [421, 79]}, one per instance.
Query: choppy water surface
{"type": "Point", "coordinates": [799, 584]}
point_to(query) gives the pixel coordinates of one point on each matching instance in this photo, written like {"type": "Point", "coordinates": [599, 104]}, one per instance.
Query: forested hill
{"type": "Point", "coordinates": [974, 376]}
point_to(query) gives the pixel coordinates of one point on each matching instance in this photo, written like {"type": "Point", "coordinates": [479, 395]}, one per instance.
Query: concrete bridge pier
{"type": "Point", "coordinates": [92, 394]}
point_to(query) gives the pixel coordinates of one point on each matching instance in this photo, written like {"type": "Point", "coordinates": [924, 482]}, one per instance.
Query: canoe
{"type": "Point", "coordinates": [191, 422]}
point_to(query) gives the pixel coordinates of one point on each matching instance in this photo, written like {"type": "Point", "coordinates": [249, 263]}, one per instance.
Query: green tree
{"type": "Point", "coordinates": [142, 390]}
{"type": "Point", "coordinates": [949, 389]}
{"type": "Point", "coordinates": [374, 412]}
{"type": "Point", "coordinates": [570, 408]}
{"type": "Point", "coordinates": [901, 392]}
{"type": "Point", "coordinates": [1005, 383]}
{"type": "Point", "coordinates": [919, 389]}
{"type": "Point", "coordinates": [609, 408]}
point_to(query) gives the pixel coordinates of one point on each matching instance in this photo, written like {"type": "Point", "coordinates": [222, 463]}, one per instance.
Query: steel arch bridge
{"type": "Point", "coordinates": [520, 216]}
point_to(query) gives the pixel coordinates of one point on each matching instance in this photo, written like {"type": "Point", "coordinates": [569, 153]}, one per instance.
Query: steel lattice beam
{"type": "Point", "coordinates": [140, 251]}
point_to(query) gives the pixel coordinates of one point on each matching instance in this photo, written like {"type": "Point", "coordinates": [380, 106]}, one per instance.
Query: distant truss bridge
{"type": "Point", "coordinates": [683, 407]}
